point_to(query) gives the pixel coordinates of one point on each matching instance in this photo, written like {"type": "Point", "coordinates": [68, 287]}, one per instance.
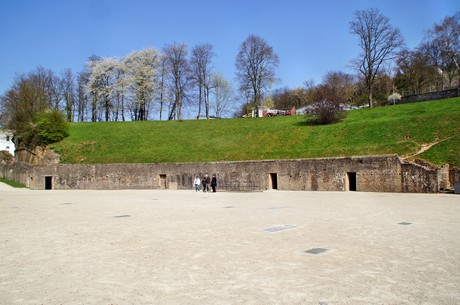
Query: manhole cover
{"type": "Point", "coordinates": [316, 251]}
{"type": "Point", "coordinates": [405, 223]}
{"type": "Point", "coordinates": [279, 228]}
{"type": "Point", "coordinates": [66, 203]}
{"type": "Point", "coordinates": [229, 207]}
{"type": "Point", "coordinates": [121, 216]}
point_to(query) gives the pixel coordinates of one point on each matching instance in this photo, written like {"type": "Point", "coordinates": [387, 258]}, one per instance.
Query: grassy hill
{"type": "Point", "coordinates": [400, 129]}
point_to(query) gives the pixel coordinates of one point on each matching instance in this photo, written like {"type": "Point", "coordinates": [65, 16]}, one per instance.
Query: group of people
{"type": "Point", "coordinates": [206, 182]}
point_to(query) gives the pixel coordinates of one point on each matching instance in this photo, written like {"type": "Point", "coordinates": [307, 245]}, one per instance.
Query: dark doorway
{"type": "Point", "coordinates": [273, 181]}
{"type": "Point", "coordinates": [352, 182]}
{"type": "Point", "coordinates": [163, 182]}
{"type": "Point", "coordinates": [48, 182]}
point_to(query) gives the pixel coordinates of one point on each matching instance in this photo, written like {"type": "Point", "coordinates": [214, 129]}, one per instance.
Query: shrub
{"type": "Point", "coordinates": [325, 112]}
{"type": "Point", "coordinates": [48, 127]}
{"type": "Point", "coordinates": [6, 157]}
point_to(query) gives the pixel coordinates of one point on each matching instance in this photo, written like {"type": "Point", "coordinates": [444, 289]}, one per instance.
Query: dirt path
{"type": "Point", "coordinates": [425, 147]}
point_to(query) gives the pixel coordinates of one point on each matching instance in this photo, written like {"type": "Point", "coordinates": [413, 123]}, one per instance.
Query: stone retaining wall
{"type": "Point", "coordinates": [431, 96]}
{"type": "Point", "coordinates": [364, 174]}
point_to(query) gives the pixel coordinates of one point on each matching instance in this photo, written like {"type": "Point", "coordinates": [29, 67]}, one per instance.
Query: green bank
{"type": "Point", "coordinates": [427, 130]}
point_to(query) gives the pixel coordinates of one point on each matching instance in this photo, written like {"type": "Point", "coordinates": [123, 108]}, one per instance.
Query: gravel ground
{"type": "Point", "coordinates": [183, 247]}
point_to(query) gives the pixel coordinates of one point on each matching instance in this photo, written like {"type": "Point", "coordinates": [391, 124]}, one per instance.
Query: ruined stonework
{"type": "Point", "coordinates": [365, 174]}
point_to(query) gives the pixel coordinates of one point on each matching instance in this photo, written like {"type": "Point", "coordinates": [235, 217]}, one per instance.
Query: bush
{"type": "Point", "coordinates": [325, 112]}
{"type": "Point", "coordinates": [6, 157]}
{"type": "Point", "coordinates": [48, 127]}
{"type": "Point", "coordinates": [51, 127]}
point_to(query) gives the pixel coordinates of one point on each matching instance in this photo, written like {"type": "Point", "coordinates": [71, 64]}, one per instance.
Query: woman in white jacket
{"type": "Point", "coordinates": [197, 183]}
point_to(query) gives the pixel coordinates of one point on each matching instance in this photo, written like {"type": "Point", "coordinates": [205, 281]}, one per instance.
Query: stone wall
{"type": "Point", "coordinates": [364, 174]}
{"type": "Point", "coordinates": [454, 175]}
{"type": "Point", "coordinates": [438, 95]}
{"type": "Point", "coordinates": [18, 172]}
{"type": "Point", "coordinates": [419, 179]}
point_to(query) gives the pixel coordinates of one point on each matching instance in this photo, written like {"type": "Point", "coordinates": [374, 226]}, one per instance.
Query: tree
{"type": "Point", "coordinates": [101, 84]}
{"type": "Point", "coordinates": [414, 70]}
{"type": "Point", "coordinates": [177, 69]}
{"type": "Point", "coordinates": [143, 71]}
{"type": "Point", "coordinates": [82, 96]}
{"type": "Point", "coordinates": [29, 94]}
{"type": "Point", "coordinates": [435, 61]}
{"type": "Point", "coordinates": [327, 100]}
{"type": "Point", "coordinates": [121, 89]}
{"type": "Point", "coordinates": [19, 104]}
{"type": "Point", "coordinates": [394, 97]}
{"type": "Point", "coordinates": [26, 105]}
{"type": "Point", "coordinates": [286, 98]}
{"type": "Point", "coordinates": [379, 42]}
{"type": "Point", "coordinates": [256, 63]}
{"type": "Point", "coordinates": [162, 85]}
{"type": "Point", "coordinates": [445, 39]}
{"type": "Point", "coordinates": [342, 86]}
{"type": "Point", "coordinates": [222, 93]}
{"type": "Point", "coordinates": [200, 74]}
{"type": "Point", "coordinates": [69, 93]}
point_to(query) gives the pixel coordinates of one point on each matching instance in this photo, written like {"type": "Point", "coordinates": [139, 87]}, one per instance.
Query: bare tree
{"type": "Point", "coordinates": [285, 98]}
{"type": "Point", "coordinates": [255, 68]}
{"type": "Point", "coordinates": [415, 70]}
{"type": "Point", "coordinates": [200, 74]}
{"type": "Point", "coordinates": [444, 39]}
{"type": "Point", "coordinates": [222, 93]}
{"type": "Point", "coordinates": [82, 97]}
{"type": "Point", "coordinates": [379, 42]}
{"type": "Point", "coordinates": [177, 70]}
{"type": "Point", "coordinates": [69, 93]}
{"type": "Point", "coordinates": [342, 86]}
{"type": "Point", "coordinates": [162, 85]}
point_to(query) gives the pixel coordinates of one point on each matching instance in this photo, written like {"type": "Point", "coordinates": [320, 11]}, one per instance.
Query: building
{"type": "Point", "coordinates": [6, 141]}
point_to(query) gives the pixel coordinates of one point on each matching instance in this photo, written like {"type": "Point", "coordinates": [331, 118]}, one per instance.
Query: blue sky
{"type": "Point", "coordinates": [311, 38]}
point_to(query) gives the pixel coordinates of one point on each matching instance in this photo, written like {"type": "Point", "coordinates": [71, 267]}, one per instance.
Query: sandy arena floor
{"type": "Point", "coordinates": [182, 247]}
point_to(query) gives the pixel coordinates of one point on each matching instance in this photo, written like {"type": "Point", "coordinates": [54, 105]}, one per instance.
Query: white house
{"type": "Point", "coordinates": [6, 141]}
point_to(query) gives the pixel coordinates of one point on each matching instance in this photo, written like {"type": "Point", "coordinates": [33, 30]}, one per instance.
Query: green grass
{"type": "Point", "coordinates": [11, 183]}
{"type": "Point", "coordinates": [400, 129]}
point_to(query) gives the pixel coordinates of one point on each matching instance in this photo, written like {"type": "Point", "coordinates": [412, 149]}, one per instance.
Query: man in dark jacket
{"type": "Point", "coordinates": [203, 181]}
{"type": "Point", "coordinates": [213, 183]}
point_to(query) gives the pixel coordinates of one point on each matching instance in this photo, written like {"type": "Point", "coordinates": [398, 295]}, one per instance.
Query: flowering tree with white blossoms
{"type": "Point", "coordinates": [393, 98]}
{"type": "Point", "coordinates": [142, 71]}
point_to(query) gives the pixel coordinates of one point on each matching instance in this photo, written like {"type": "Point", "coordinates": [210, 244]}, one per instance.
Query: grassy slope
{"type": "Point", "coordinates": [397, 129]}
{"type": "Point", "coordinates": [11, 183]}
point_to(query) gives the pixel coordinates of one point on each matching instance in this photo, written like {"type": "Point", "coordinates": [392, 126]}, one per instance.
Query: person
{"type": "Point", "coordinates": [213, 183]}
{"type": "Point", "coordinates": [197, 183]}
{"type": "Point", "coordinates": [208, 182]}
{"type": "Point", "coordinates": [204, 184]}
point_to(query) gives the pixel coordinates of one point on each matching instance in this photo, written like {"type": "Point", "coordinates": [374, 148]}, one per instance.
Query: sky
{"type": "Point", "coordinates": [311, 37]}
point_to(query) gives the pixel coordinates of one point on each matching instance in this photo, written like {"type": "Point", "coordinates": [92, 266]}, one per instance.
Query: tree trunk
{"type": "Point", "coordinates": [199, 101]}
